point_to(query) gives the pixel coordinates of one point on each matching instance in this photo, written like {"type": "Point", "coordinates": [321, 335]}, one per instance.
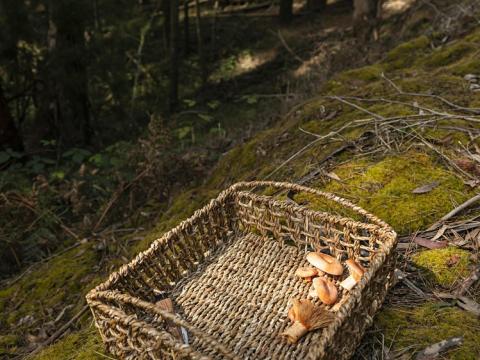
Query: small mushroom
{"type": "Point", "coordinates": [326, 290]}
{"type": "Point", "coordinates": [325, 262]}
{"type": "Point", "coordinates": [306, 317]}
{"type": "Point", "coordinates": [307, 273]}
{"type": "Point", "coordinates": [356, 273]}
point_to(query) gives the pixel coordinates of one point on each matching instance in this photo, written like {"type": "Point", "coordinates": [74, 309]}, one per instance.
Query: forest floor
{"type": "Point", "coordinates": [399, 137]}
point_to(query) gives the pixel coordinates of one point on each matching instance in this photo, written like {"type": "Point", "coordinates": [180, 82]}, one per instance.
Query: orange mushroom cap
{"type": "Point", "coordinates": [326, 290]}
{"type": "Point", "coordinates": [306, 272]}
{"type": "Point", "coordinates": [325, 262]}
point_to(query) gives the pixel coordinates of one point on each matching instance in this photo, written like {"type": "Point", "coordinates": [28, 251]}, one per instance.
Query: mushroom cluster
{"type": "Point", "coordinates": [305, 316]}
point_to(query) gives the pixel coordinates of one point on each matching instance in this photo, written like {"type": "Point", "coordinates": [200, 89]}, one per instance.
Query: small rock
{"type": "Point", "coordinates": [471, 77]}
{"type": "Point", "coordinates": [474, 87]}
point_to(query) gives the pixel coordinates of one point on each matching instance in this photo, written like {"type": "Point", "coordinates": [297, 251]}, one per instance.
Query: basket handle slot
{"type": "Point", "coordinates": [117, 296]}
{"type": "Point", "coordinates": [300, 188]}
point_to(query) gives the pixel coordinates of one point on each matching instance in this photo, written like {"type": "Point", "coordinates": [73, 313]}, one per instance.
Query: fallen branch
{"type": "Point", "coordinates": [401, 276]}
{"type": "Point", "coordinates": [60, 332]}
{"type": "Point", "coordinates": [462, 302]}
{"type": "Point", "coordinates": [454, 212]}
{"type": "Point", "coordinates": [468, 282]}
{"type": "Point", "coordinates": [434, 350]}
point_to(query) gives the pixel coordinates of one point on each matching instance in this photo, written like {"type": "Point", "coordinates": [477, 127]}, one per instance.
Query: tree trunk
{"type": "Point", "coordinates": [70, 61]}
{"type": "Point", "coordinates": [9, 136]}
{"type": "Point", "coordinates": [365, 16]}
{"type": "Point", "coordinates": [201, 49]}
{"type": "Point", "coordinates": [166, 24]}
{"type": "Point", "coordinates": [286, 11]}
{"type": "Point", "coordinates": [174, 60]}
{"type": "Point", "coordinates": [186, 27]}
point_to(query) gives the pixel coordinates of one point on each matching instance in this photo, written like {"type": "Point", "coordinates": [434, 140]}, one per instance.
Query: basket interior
{"type": "Point", "coordinates": [241, 299]}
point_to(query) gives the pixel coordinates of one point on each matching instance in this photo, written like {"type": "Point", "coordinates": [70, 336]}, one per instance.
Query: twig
{"type": "Point", "coordinates": [116, 196]}
{"type": "Point", "coordinates": [401, 276]}
{"type": "Point", "coordinates": [285, 45]}
{"type": "Point", "coordinates": [454, 212]}
{"type": "Point", "coordinates": [434, 350]}
{"type": "Point", "coordinates": [445, 101]}
{"type": "Point", "coordinates": [306, 147]}
{"type": "Point", "coordinates": [59, 333]}
{"type": "Point", "coordinates": [468, 282]}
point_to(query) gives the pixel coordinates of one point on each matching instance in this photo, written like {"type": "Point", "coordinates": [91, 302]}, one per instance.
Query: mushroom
{"type": "Point", "coordinates": [356, 273]}
{"type": "Point", "coordinates": [306, 317]}
{"type": "Point", "coordinates": [307, 273]}
{"type": "Point", "coordinates": [326, 290]}
{"type": "Point", "coordinates": [325, 262]}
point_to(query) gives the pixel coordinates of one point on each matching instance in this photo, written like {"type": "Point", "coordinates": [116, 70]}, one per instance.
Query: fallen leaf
{"type": "Point", "coordinates": [426, 188]}
{"type": "Point", "coordinates": [454, 259]}
{"type": "Point", "coordinates": [429, 243]}
{"type": "Point", "coordinates": [333, 176]}
{"type": "Point", "coordinates": [468, 165]}
{"type": "Point", "coordinates": [440, 233]}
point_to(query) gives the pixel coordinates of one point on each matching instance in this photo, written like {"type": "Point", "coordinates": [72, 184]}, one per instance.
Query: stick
{"type": "Point", "coordinates": [455, 211]}
{"type": "Point", "coordinates": [285, 45]}
{"type": "Point", "coordinates": [59, 333]}
{"type": "Point", "coordinates": [468, 282]}
{"type": "Point", "coordinates": [434, 350]}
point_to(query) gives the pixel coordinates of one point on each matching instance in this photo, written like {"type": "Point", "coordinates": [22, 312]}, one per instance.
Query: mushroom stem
{"type": "Point", "coordinates": [348, 283]}
{"type": "Point", "coordinates": [295, 332]}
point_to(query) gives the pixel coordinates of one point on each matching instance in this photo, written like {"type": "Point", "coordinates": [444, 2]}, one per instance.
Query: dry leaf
{"type": "Point", "coordinates": [426, 188]}
{"type": "Point", "coordinates": [454, 259]}
{"type": "Point", "coordinates": [430, 244]}
{"type": "Point", "coordinates": [468, 165]}
{"type": "Point", "coordinates": [333, 176]}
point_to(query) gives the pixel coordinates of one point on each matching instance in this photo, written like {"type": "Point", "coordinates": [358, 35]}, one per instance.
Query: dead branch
{"type": "Point", "coordinates": [445, 101]}
{"type": "Point", "coordinates": [468, 282]}
{"type": "Point", "coordinates": [454, 212]}
{"type": "Point", "coordinates": [434, 350]}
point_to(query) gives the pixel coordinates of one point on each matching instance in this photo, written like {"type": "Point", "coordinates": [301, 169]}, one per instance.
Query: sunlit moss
{"type": "Point", "coordinates": [443, 266]}
{"type": "Point", "coordinates": [448, 55]}
{"type": "Point", "coordinates": [385, 189]}
{"type": "Point", "coordinates": [83, 345]}
{"type": "Point", "coordinates": [422, 326]}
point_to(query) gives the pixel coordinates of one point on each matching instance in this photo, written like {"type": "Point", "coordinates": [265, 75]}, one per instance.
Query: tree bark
{"type": "Point", "coordinates": [200, 44]}
{"type": "Point", "coordinates": [286, 11]}
{"type": "Point", "coordinates": [365, 16]}
{"type": "Point", "coordinates": [9, 135]}
{"type": "Point", "coordinates": [186, 27]}
{"type": "Point", "coordinates": [174, 60]}
{"type": "Point", "coordinates": [166, 24]}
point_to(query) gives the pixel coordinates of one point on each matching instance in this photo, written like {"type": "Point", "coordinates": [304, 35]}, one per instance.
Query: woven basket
{"type": "Point", "coordinates": [229, 270]}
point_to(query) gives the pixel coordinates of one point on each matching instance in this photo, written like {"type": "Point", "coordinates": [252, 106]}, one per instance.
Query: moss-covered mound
{"type": "Point", "coordinates": [422, 326]}
{"type": "Point", "coordinates": [443, 266]}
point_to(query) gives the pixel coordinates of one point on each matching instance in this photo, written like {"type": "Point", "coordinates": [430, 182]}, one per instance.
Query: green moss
{"type": "Point", "coordinates": [62, 280]}
{"type": "Point", "coordinates": [448, 55]}
{"type": "Point", "coordinates": [421, 326]}
{"type": "Point", "coordinates": [83, 345]}
{"type": "Point", "coordinates": [406, 54]}
{"type": "Point", "coordinates": [385, 189]}
{"type": "Point", "coordinates": [8, 343]}
{"type": "Point", "coordinates": [366, 73]}
{"type": "Point", "coordinates": [443, 266]}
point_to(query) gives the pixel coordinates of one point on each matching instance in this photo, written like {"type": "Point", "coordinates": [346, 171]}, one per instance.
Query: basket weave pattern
{"type": "Point", "coordinates": [230, 271]}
